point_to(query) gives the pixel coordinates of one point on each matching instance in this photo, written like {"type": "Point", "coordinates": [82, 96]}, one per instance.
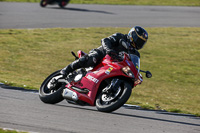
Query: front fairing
{"type": "Point", "coordinates": [130, 60]}
{"type": "Point", "coordinates": [133, 62]}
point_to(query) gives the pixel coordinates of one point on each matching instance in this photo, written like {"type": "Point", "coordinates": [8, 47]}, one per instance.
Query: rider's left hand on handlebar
{"type": "Point", "coordinates": [113, 54]}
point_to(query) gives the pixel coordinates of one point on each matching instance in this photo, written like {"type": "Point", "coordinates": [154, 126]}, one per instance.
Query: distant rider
{"type": "Point", "coordinates": [112, 45]}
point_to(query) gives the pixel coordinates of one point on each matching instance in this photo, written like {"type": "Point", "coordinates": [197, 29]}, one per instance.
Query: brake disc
{"type": "Point", "coordinates": [107, 97]}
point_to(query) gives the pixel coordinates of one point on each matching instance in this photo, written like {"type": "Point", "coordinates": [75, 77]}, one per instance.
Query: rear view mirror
{"type": "Point", "coordinates": [148, 74]}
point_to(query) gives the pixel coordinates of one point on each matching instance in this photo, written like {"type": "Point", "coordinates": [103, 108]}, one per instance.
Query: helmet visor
{"type": "Point", "coordinates": [139, 42]}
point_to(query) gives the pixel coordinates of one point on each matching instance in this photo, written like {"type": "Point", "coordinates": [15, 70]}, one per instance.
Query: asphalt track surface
{"type": "Point", "coordinates": [31, 15]}
{"type": "Point", "coordinates": [21, 109]}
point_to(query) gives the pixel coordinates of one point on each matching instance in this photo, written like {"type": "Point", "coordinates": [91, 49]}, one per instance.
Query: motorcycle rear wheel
{"type": "Point", "coordinates": [121, 96]}
{"type": "Point", "coordinates": [63, 3]}
{"type": "Point", "coordinates": [51, 96]}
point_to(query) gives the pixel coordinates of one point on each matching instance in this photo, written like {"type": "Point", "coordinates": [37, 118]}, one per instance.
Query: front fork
{"type": "Point", "coordinates": [115, 83]}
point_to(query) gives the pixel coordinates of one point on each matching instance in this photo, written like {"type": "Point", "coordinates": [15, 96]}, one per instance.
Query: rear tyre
{"type": "Point", "coordinates": [53, 95]}
{"type": "Point", "coordinates": [63, 3]}
{"type": "Point", "coordinates": [107, 102]}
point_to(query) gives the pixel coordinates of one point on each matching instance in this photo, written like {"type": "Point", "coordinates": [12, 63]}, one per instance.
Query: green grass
{"type": "Point", "coordinates": [129, 2]}
{"type": "Point", "coordinates": [28, 56]}
{"type": "Point", "coordinates": [10, 131]}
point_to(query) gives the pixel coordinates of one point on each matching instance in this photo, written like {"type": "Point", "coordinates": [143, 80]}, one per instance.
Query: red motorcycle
{"type": "Point", "coordinates": [61, 3]}
{"type": "Point", "coordinates": [107, 86]}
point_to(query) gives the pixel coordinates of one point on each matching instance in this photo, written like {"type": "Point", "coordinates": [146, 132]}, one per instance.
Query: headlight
{"type": "Point", "coordinates": [128, 71]}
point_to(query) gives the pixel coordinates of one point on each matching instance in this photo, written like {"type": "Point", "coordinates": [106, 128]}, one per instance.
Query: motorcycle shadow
{"type": "Point", "coordinates": [160, 119]}
{"type": "Point", "coordinates": [81, 10]}
{"type": "Point", "coordinates": [76, 106]}
{"type": "Point", "coordinates": [128, 114]}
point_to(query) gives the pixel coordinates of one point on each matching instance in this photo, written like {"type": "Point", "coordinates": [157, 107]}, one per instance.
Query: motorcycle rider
{"type": "Point", "coordinates": [112, 45]}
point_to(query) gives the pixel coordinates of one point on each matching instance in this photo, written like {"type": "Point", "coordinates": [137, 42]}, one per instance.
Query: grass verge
{"type": "Point", "coordinates": [28, 56]}
{"type": "Point", "coordinates": [10, 131]}
{"type": "Point", "coordinates": [128, 2]}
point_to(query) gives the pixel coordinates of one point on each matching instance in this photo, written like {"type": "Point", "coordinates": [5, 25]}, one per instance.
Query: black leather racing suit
{"type": "Point", "coordinates": [115, 43]}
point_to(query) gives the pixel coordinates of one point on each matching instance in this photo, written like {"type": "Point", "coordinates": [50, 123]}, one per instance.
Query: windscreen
{"type": "Point", "coordinates": [136, 61]}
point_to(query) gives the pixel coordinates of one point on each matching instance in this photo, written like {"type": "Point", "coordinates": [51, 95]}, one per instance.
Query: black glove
{"type": "Point", "coordinates": [113, 54]}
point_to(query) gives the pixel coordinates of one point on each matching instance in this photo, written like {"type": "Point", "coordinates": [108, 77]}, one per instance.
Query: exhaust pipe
{"type": "Point", "coordinates": [69, 94]}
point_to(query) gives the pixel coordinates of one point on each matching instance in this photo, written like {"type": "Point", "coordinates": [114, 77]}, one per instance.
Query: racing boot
{"type": "Point", "coordinates": [65, 71]}
{"type": "Point", "coordinates": [70, 68]}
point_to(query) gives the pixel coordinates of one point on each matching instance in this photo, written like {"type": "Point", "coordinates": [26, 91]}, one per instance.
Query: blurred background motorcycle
{"type": "Point", "coordinates": [61, 3]}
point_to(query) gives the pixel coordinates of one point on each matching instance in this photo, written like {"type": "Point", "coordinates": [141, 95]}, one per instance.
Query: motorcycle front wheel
{"type": "Point", "coordinates": [51, 95]}
{"type": "Point", "coordinates": [108, 102]}
{"type": "Point", "coordinates": [43, 3]}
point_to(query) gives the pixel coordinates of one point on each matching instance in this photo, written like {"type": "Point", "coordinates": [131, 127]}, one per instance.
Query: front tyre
{"type": "Point", "coordinates": [107, 102]}
{"type": "Point", "coordinates": [49, 94]}
{"type": "Point", "coordinates": [43, 3]}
